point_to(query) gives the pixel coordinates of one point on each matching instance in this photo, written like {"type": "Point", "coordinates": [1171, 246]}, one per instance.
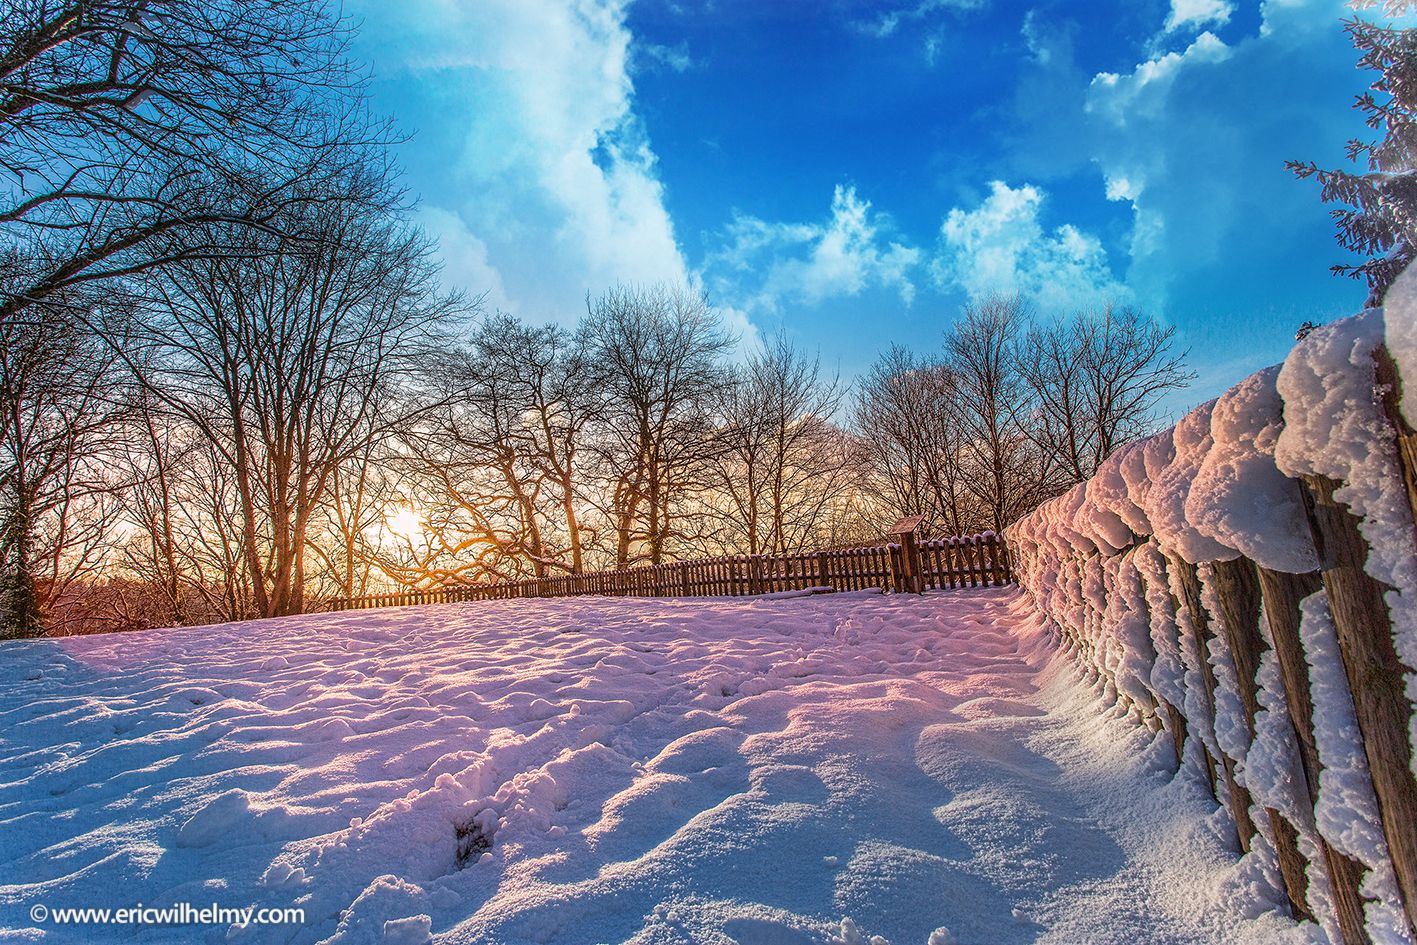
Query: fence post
{"type": "Point", "coordinates": [1390, 381]}
{"type": "Point", "coordinates": [904, 532]}
{"type": "Point", "coordinates": [755, 574]}
{"type": "Point", "coordinates": [1281, 593]}
{"type": "Point", "coordinates": [1238, 591]}
{"type": "Point", "coordinates": [1189, 580]}
{"type": "Point", "coordinates": [1375, 677]}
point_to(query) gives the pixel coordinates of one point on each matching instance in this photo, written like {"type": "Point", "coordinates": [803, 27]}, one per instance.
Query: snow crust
{"type": "Point", "coordinates": [848, 768]}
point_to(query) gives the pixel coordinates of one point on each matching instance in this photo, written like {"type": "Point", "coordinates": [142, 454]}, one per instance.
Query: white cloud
{"type": "Point", "coordinates": [1002, 246]}
{"type": "Point", "coordinates": [768, 263]}
{"type": "Point", "coordinates": [1187, 14]}
{"type": "Point", "coordinates": [1132, 112]}
{"type": "Point", "coordinates": [888, 22]}
{"type": "Point", "coordinates": [1143, 92]}
{"type": "Point", "coordinates": [1194, 141]}
{"type": "Point", "coordinates": [550, 172]}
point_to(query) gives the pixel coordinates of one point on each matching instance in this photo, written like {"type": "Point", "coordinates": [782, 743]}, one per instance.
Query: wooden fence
{"type": "Point", "coordinates": [907, 565]}
{"type": "Point", "coordinates": [1221, 650]}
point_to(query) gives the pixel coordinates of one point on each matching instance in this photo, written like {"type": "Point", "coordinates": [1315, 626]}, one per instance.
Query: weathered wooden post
{"type": "Point", "coordinates": [989, 549]}
{"type": "Point", "coordinates": [903, 532]}
{"type": "Point", "coordinates": [1189, 581]}
{"type": "Point", "coordinates": [1405, 438]}
{"type": "Point", "coordinates": [755, 574]}
{"type": "Point", "coordinates": [823, 569]}
{"type": "Point", "coordinates": [1375, 676]}
{"type": "Point", "coordinates": [1237, 589]}
{"type": "Point", "coordinates": [1282, 592]}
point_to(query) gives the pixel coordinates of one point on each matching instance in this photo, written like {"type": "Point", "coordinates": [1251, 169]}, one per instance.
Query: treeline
{"type": "Point", "coordinates": [260, 444]}
{"type": "Point", "coordinates": [231, 385]}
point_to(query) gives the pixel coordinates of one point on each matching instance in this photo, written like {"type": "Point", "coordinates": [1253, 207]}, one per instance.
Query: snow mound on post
{"type": "Point", "coordinates": [1335, 426]}
{"type": "Point", "coordinates": [1239, 496]}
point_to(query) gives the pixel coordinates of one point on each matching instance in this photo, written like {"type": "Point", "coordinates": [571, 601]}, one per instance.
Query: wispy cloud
{"type": "Point", "coordinates": [886, 23]}
{"type": "Point", "coordinates": [675, 58]}
{"type": "Point", "coordinates": [767, 264]}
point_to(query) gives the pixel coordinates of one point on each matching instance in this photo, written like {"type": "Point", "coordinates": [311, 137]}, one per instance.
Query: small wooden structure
{"type": "Point", "coordinates": [907, 579]}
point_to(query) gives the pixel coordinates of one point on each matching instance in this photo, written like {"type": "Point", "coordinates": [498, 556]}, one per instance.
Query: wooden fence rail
{"type": "Point", "coordinates": [962, 561]}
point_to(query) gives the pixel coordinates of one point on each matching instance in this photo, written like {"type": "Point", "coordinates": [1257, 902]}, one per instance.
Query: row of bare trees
{"type": "Point", "coordinates": [1012, 410]}
{"type": "Point", "coordinates": [635, 438]}
{"type": "Point", "coordinates": [282, 428]}
{"type": "Point", "coordinates": [206, 291]}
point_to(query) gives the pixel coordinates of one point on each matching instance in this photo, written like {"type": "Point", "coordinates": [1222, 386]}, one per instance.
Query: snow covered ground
{"type": "Point", "coordinates": [773, 771]}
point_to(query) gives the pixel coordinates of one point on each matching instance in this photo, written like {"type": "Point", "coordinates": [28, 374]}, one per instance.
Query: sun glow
{"type": "Point", "coordinates": [405, 523]}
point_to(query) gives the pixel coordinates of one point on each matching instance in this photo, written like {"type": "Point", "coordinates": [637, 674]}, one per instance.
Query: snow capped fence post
{"type": "Point", "coordinates": [996, 560]}
{"type": "Point", "coordinates": [904, 531]}
{"type": "Point", "coordinates": [1375, 677]}
{"type": "Point", "coordinates": [1240, 800]}
{"type": "Point", "coordinates": [1237, 590]}
{"type": "Point", "coordinates": [1281, 593]}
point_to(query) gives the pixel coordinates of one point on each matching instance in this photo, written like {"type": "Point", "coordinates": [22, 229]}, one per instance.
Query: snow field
{"type": "Point", "coordinates": [846, 768]}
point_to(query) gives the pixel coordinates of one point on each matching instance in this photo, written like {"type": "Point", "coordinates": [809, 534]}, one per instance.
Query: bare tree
{"type": "Point", "coordinates": [549, 374]}
{"type": "Point", "coordinates": [129, 128]}
{"type": "Point", "coordinates": [780, 464]}
{"type": "Point", "coordinates": [60, 403]}
{"type": "Point", "coordinates": [1003, 468]}
{"type": "Point", "coordinates": [288, 359]}
{"type": "Point", "coordinates": [1095, 380]}
{"type": "Point", "coordinates": [362, 491]}
{"type": "Point", "coordinates": [183, 562]}
{"type": "Point", "coordinates": [907, 417]}
{"type": "Point", "coordinates": [657, 352]}
{"type": "Point", "coordinates": [472, 473]}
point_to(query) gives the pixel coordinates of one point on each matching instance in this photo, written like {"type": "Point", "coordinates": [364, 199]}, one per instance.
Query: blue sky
{"type": "Point", "coordinates": [852, 172]}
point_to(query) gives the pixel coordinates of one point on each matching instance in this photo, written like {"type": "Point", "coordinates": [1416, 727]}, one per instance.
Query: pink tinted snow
{"type": "Point", "coordinates": [811, 770]}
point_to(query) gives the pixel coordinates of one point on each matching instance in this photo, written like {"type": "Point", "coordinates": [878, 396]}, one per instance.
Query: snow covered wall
{"type": "Point", "coordinates": [1245, 583]}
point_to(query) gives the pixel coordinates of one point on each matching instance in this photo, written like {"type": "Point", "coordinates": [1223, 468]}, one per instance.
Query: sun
{"type": "Point", "coordinates": [405, 523]}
